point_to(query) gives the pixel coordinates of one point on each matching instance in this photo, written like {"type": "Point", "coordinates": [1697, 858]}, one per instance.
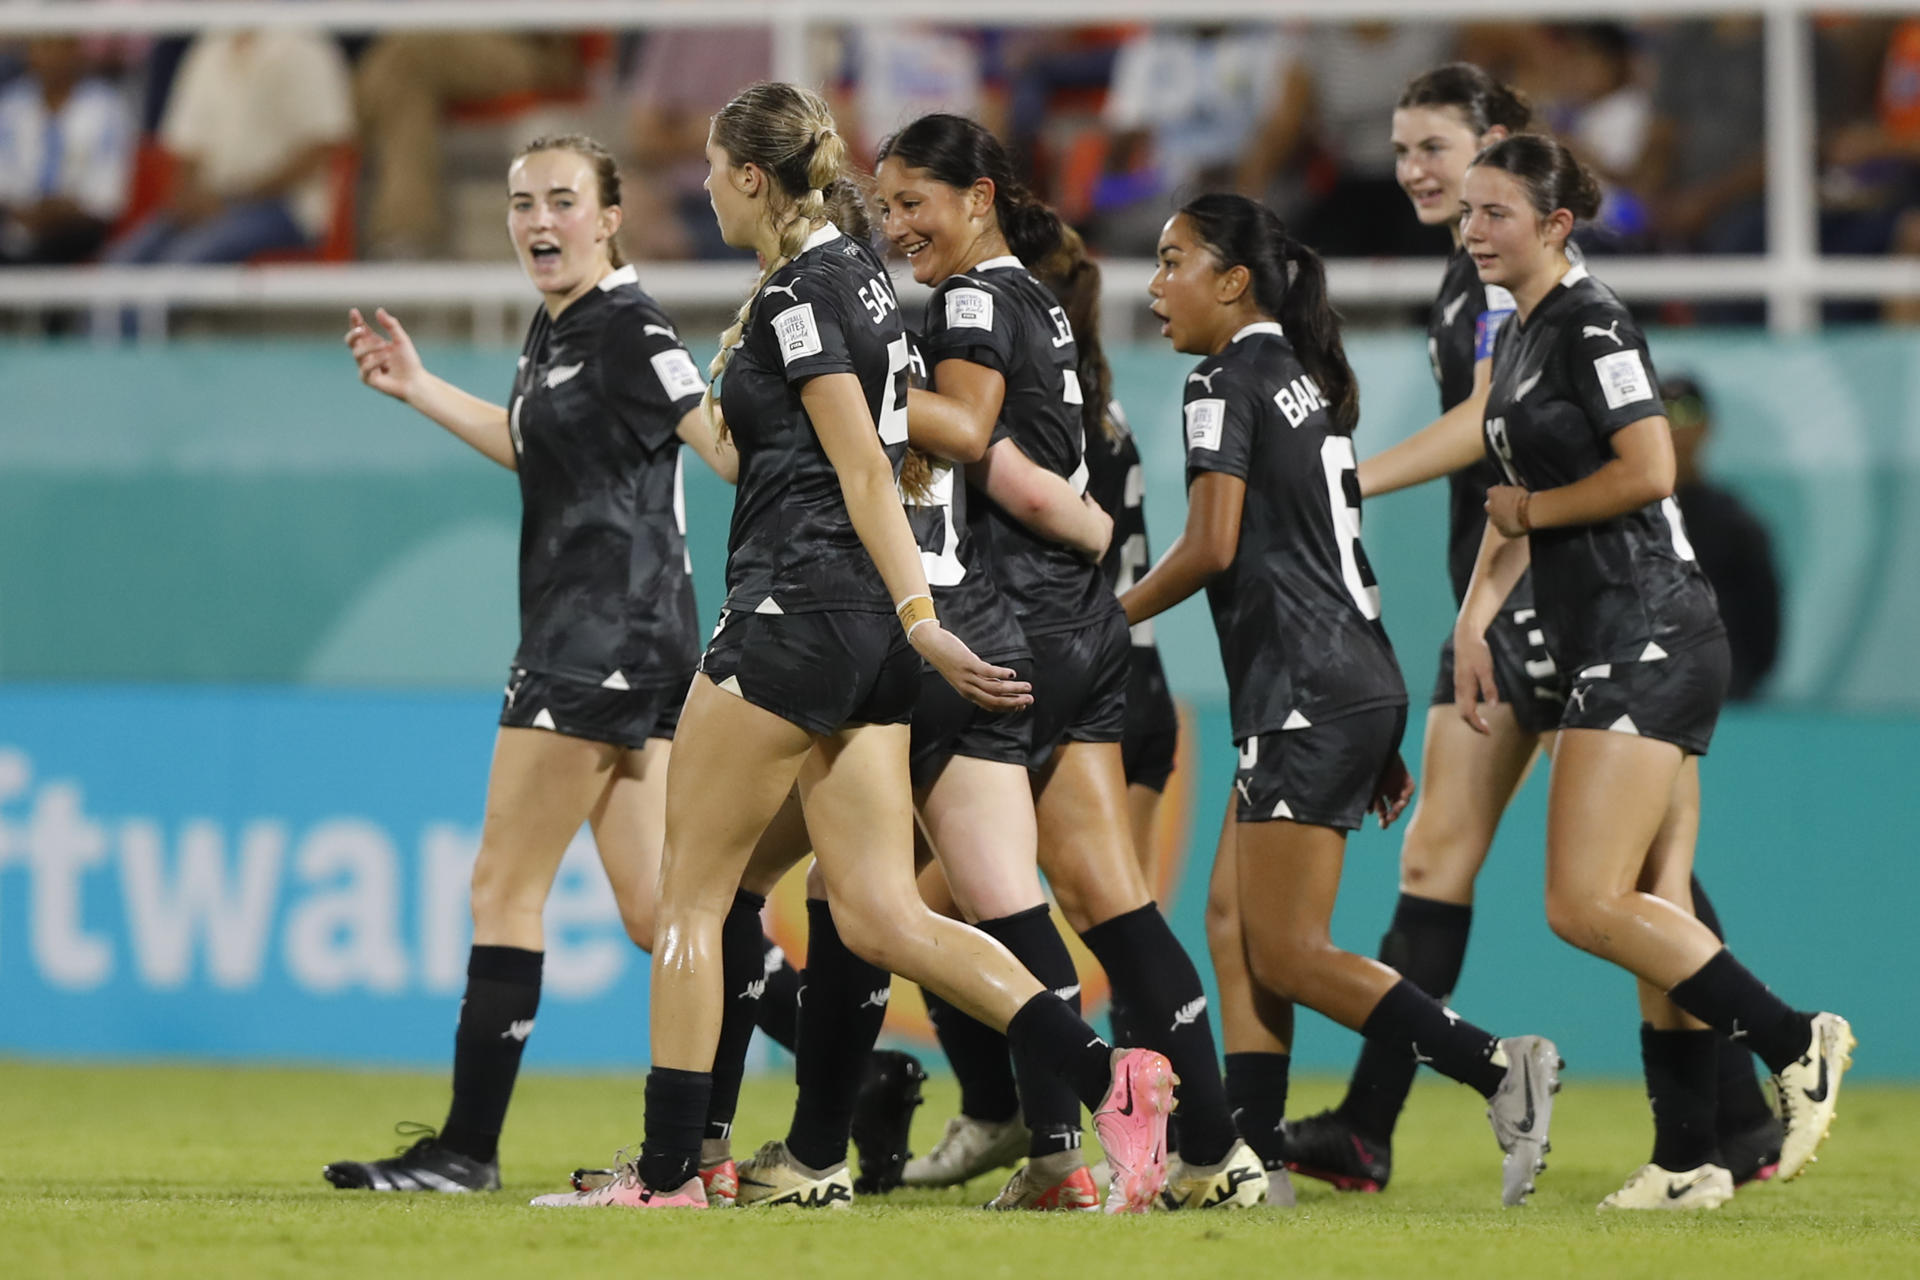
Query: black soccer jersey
{"type": "Point", "coordinates": [606, 591]}
{"type": "Point", "coordinates": [1628, 588]}
{"type": "Point", "coordinates": [1465, 318]}
{"type": "Point", "coordinates": [1114, 480]}
{"type": "Point", "coordinates": [792, 547]}
{"type": "Point", "coordinates": [997, 315]}
{"type": "Point", "coordinates": [1298, 610]}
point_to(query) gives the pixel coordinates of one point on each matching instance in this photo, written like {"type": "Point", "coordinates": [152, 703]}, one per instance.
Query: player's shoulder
{"type": "Point", "coordinates": [1593, 311]}
{"type": "Point", "coordinates": [631, 312]}
{"type": "Point", "coordinates": [986, 298]}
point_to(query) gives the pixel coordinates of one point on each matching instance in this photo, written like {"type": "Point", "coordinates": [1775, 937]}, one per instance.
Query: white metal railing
{"type": "Point", "coordinates": [1792, 276]}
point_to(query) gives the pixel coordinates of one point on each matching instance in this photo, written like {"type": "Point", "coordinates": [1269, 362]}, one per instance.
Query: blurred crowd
{"type": "Point", "coordinates": [248, 146]}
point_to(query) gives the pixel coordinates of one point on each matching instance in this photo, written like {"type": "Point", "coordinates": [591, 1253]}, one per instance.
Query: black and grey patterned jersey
{"type": "Point", "coordinates": [998, 316]}
{"type": "Point", "coordinates": [1624, 589]}
{"type": "Point", "coordinates": [1115, 481]}
{"type": "Point", "coordinates": [606, 590]}
{"type": "Point", "coordinates": [1298, 610]}
{"type": "Point", "coordinates": [792, 547]}
{"type": "Point", "coordinates": [1466, 317]}
{"type": "Point", "coordinates": [970, 604]}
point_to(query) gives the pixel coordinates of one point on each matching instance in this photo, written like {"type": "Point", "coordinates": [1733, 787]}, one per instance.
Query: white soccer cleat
{"type": "Point", "coordinates": [1807, 1092]}
{"type": "Point", "coordinates": [968, 1149]}
{"type": "Point", "coordinates": [1239, 1181]}
{"type": "Point", "coordinates": [1521, 1111]}
{"type": "Point", "coordinates": [772, 1178]}
{"type": "Point", "coordinates": [1657, 1189]}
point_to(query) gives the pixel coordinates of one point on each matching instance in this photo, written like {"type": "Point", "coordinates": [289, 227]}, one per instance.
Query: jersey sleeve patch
{"type": "Point", "coordinates": [679, 376]}
{"type": "Point", "coordinates": [1623, 378]}
{"type": "Point", "coordinates": [799, 337]}
{"type": "Point", "coordinates": [969, 309]}
{"type": "Point", "coordinates": [1206, 419]}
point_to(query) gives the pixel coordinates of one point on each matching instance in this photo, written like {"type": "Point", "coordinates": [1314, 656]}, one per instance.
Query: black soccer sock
{"type": "Point", "coordinates": [1681, 1074]}
{"type": "Point", "coordinates": [1047, 1035]}
{"type": "Point", "coordinates": [1725, 996]}
{"type": "Point", "coordinates": [979, 1057]}
{"type": "Point", "coordinates": [1051, 1109]}
{"type": "Point", "coordinates": [1148, 965]}
{"type": "Point", "coordinates": [1122, 1023]}
{"type": "Point", "coordinates": [1408, 1020]}
{"type": "Point", "coordinates": [1257, 1091]}
{"type": "Point", "coordinates": [677, 1105]}
{"type": "Point", "coordinates": [840, 1017]}
{"type": "Point", "coordinates": [1742, 1105]}
{"type": "Point", "coordinates": [496, 1017]}
{"type": "Point", "coordinates": [780, 1002]}
{"type": "Point", "coordinates": [1426, 944]}
{"type": "Point", "coordinates": [743, 981]}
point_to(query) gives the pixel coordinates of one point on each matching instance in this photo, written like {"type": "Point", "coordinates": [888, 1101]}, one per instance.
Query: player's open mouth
{"type": "Point", "coordinates": [1484, 259]}
{"type": "Point", "coordinates": [543, 250]}
{"type": "Point", "coordinates": [915, 247]}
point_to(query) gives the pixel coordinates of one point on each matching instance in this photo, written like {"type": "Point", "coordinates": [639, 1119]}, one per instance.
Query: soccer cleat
{"type": "Point", "coordinates": [1753, 1154]}
{"type": "Point", "coordinates": [721, 1180]}
{"type": "Point", "coordinates": [883, 1119]}
{"type": "Point", "coordinates": [1279, 1188]}
{"type": "Point", "coordinates": [1237, 1182]}
{"type": "Point", "coordinates": [623, 1191]}
{"type": "Point", "coordinates": [1327, 1147]}
{"type": "Point", "coordinates": [772, 1178]}
{"type": "Point", "coordinates": [1521, 1110]}
{"type": "Point", "coordinates": [1132, 1126]}
{"type": "Point", "coordinates": [1055, 1182]}
{"type": "Point", "coordinates": [425, 1166]}
{"type": "Point", "coordinates": [1652, 1187]}
{"type": "Point", "coordinates": [1806, 1093]}
{"type": "Point", "coordinates": [968, 1149]}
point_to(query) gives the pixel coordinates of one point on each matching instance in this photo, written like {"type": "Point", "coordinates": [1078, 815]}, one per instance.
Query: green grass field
{"type": "Point", "coordinates": [179, 1171]}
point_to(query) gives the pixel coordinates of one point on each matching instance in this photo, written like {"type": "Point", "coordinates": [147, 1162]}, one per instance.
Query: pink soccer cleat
{"type": "Point", "coordinates": [626, 1191]}
{"type": "Point", "coordinates": [1132, 1126]}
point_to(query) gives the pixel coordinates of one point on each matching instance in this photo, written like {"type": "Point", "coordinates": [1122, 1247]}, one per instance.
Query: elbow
{"type": "Point", "coordinates": [1658, 481]}
{"type": "Point", "coordinates": [970, 445]}
{"type": "Point", "coordinates": [1215, 558]}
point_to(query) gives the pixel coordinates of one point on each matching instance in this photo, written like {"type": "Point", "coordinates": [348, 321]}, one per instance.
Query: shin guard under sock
{"type": "Point", "coordinates": [1408, 1020]}
{"type": "Point", "coordinates": [1426, 944]}
{"type": "Point", "coordinates": [844, 1005]}
{"type": "Point", "coordinates": [1257, 1091]}
{"type": "Point", "coordinates": [1049, 1105]}
{"type": "Point", "coordinates": [496, 1017]}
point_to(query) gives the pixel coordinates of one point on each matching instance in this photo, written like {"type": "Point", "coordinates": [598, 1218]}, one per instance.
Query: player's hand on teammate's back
{"type": "Point", "coordinates": [1392, 792]}
{"type": "Point", "coordinates": [1473, 681]}
{"type": "Point", "coordinates": [388, 364]}
{"type": "Point", "coordinates": [994, 688]}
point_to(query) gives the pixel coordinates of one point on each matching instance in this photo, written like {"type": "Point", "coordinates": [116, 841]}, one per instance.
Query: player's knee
{"type": "Point", "coordinates": [1280, 966]}
{"type": "Point", "coordinates": [638, 922]}
{"type": "Point", "coordinates": [877, 935]}
{"type": "Point", "coordinates": [1573, 917]}
{"type": "Point", "coordinates": [1439, 860]}
{"type": "Point", "coordinates": [1223, 923]}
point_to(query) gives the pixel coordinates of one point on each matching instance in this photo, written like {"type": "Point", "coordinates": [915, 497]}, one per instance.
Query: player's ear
{"type": "Point", "coordinates": [1232, 284]}
{"type": "Point", "coordinates": [980, 198]}
{"type": "Point", "coordinates": [611, 218]}
{"type": "Point", "coordinates": [1557, 226]}
{"type": "Point", "coordinates": [748, 179]}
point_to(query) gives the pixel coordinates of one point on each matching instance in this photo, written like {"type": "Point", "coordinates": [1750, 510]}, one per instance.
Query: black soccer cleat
{"type": "Point", "coordinates": [1327, 1147]}
{"type": "Point", "coordinates": [425, 1166]}
{"type": "Point", "coordinates": [883, 1119]}
{"type": "Point", "coordinates": [1752, 1154]}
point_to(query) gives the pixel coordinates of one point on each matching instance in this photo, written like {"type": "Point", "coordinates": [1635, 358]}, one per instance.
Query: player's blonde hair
{"type": "Point", "coordinates": [788, 132]}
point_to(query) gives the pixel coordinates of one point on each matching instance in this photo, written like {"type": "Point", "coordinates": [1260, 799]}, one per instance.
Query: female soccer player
{"type": "Point", "coordinates": [1443, 119]}
{"type": "Point", "coordinates": [1005, 363]}
{"type": "Point", "coordinates": [1575, 421]}
{"type": "Point", "coordinates": [808, 680]}
{"type": "Point", "coordinates": [1273, 534]}
{"type": "Point", "coordinates": [603, 396]}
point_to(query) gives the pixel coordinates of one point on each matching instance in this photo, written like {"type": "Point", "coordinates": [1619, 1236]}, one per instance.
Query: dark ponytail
{"type": "Point", "coordinates": [959, 152]}
{"type": "Point", "coordinates": [1481, 100]}
{"type": "Point", "coordinates": [1074, 279]}
{"type": "Point", "coordinates": [1289, 284]}
{"type": "Point", "coordinates": [1552, 177]}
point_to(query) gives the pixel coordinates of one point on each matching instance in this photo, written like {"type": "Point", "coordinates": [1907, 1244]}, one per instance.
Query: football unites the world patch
{"type": "Point", "coordinates": [1623, 378]}
{"type": "Point", "coordinates": [969, 309]}
{"type": "Point", "coordinates": [1206, 419]}
{"type": "Point", "coordinates": [797, 334]}
{"type": "Point", "coordinates": [678, 375]}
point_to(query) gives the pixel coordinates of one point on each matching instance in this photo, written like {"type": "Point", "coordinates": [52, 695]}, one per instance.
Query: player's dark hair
{"type": "Point", "coordinates": [1552, 177]}
{"type": "Point", "coordinates": [788, 132]}
{"type": "Point", "coordinates": [1483, 101]}
{"type": "Point", "coordinates": [1289, 284]}
{"type": "Point", "coordinates": [846, 206]}
{"type": "Point", "coordinates": [959, 152]}
{"type": "Point", "coordinates": [606, 173]}
{"type": "Point", "coordinates": [1074, 279]}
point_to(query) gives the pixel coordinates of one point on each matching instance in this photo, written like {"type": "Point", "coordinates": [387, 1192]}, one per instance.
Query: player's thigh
{"type": "Point", "coordinates": [1143, 816]}
{"type": "Point", "coordinates": [781, 847]}
{"type": "Point", "coordinates": [1467, 780]}
{"type": "Point", "coordinates": [541, 788]}
{"type": "Point", "coordinates": [1086, 840]}
{"type": "Point", "coordinates": [859, 806]}
{"type": "Point", "coordinates": [1668, 872]}
{"type": "Point", "coordinates": [978, 816]}
{"type": "Point", "coordinates": [1607, 799]}
{"type": "Point", "coordinates": [629, 828]}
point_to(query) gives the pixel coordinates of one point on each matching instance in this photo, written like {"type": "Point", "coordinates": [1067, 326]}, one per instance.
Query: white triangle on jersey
{"type": "Point", "coordinates": [1625, 724]}
{"type": "Point", "coordinates": [769, 605]}
{"type": "Point", "coordinates": [732, 685]}
{"type": "Point", "coordinates": [1652, 653]}
{"type": "Point", "coordinates": [1282, 810]}
{"type": "Point", "coordinates": [615, 681]}
{"type": "Point", "coordinates": [544, 720]}
{"type": "Point", "coordinates": [1296, 721]}
{"type": "Point", "coordinates": [1600, 672]}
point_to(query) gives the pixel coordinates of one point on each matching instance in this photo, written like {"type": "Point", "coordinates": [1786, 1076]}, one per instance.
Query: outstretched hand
{"type": "Point", "coordinates": [388, 362]}
{"type": "Point", "coordinates": [981, 683]}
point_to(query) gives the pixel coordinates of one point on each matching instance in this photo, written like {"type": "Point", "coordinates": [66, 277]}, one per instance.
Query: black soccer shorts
{"type": "Point", "coordinates": [620, 717]}
{"type": "Point", "coordinates": [1080, 685]}
{"type": "Point", "coordinates": [1151, 738]}
{"type": "Point", "coordinates": [1523, 671]}
{"type": "Point", "coordinates": [1324, 775]}
{"type": "Point", "coordinates": [1673, 699]}
{"type": "Point", "coordinates": [822, 671]}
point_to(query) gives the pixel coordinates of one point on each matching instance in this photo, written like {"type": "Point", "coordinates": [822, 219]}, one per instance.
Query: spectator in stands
{"type": "Point", "coordinates": [1602, 111]}
{"type": "Point", "coordinates": [253, 124]}
{"type": "Point", "coordinates": [403, 88]}
{"type": "Point", "coordinates": [1704, 172]}
{"type": "Point", "coordinates": [1730, 541]}
{"type": "Point", "coordinates": [66, 150]}
{"type": "Point", "coordinates": [1328, 117]}
{"type": "Point", "coordinates": [683, 75]}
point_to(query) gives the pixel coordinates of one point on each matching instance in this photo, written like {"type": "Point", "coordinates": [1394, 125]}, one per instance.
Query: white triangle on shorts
{"type": "Point", "coordinates": [769, 605]}
{"type": "Point", "coordinates": [1625, 724]}
{"type": "Point", "coordinates": [1296, 721]}
{"type": "Point", "coordinates": [732, 685]}
{"type": "Point", "coordinates": [615, 681]}
{"type": "Point", "coordinates": [544, 720]}
{"type": "Point", "coordinates": [1282, 810]}
{"type": "Point", "coordinates": [1601, 672]}
{"type": "Point", "coordinates": [1652, 653]}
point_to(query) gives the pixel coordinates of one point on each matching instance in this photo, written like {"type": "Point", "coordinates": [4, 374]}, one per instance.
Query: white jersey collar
{"type": "Point", "coordinates": [1258, 326]}
{"type": "Point", "coordinates": [995, 264]}
{"type": "Point", "coordinates": [826, 234]}
{"type": "Point", "coordinates": [1575, 274]}
{"type": "Point", "coordinates": [628, 274]}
